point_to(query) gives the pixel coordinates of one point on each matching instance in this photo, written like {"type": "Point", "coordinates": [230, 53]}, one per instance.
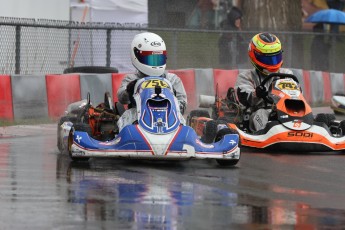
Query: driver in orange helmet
{"type": "Point", "coordinates": [266, 55]}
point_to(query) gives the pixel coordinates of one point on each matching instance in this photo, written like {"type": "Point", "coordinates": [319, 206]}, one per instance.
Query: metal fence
{"type": "Point", "coordinates": [31, 46]}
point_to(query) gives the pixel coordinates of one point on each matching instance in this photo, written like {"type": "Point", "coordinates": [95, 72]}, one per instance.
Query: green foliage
{"type": "Point", "coordinates": [194, 49]}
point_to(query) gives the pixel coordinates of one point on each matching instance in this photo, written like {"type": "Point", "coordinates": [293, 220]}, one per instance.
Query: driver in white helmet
{"type": "Point", "coordinates": [266, 55]}
{"type": "Point", "coordinates": [148, 55]}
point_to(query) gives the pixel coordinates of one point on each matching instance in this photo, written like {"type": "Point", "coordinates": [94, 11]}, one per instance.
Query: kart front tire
{"type": "Point", "coordinates": [221, 133]}
{"type": "Point", "coordinates": [326, 118]}
{"type": "Point", "coordinates": [341, 128]}
{"type": "Point", "coordinates": [69, 144]}
{"type": "Point", "coordinates": [60, 122]}
{"type": "Point", "coordinates": [210, 131]}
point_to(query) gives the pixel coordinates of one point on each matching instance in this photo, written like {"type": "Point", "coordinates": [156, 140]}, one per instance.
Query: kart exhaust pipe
{"type": "Point", "coordinates": [206, 101]}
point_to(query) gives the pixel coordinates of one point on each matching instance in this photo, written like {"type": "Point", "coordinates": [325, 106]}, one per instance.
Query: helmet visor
{"type": "Point", "coordinates": [272, 59]}
{"type": "Point", "coordinates": [151, 58]}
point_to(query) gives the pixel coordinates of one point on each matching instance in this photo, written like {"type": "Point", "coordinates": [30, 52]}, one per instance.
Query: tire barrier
{"type": "Point", "coordinates": [223, 79]}
{"type": "Point", "coordinates": [327, 87]}
{"type": "Point", "coordinates": [188, 78]}
{"type": "Point", "coordinates": [61, 91]}
{"type": "Point", "coordinates": [321, 88]}
{"type": "Point", "coordinates": [307, 86]}
{"type": "Point", "coordinates": [204, 84]}
{"type": "Point", "coordinates": [337, 83]}
{"type": "Point", "coordinates": [28, 97]}
{"type": "Point", "coordinates": [116, 83]}
{"type": "Point", "coordinates": [91, 69]}
{"type": "Point", "coordinates": [6, 108]}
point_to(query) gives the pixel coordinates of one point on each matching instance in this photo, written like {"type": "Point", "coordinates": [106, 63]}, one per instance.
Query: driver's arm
{"type": "Point", "coordinates": [179, 90]}
{"type": "Point", "coordinates": [122, 94]}
{"type": "Point", "coordinates": [245, 89]}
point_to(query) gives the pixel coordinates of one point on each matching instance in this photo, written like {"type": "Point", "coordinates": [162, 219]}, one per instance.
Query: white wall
{"type": "Point", "coordinates": [38, 9]}
{"type": "Point", "coordinates": [130, 13]}
{"type": "Point", "coordinates": [118, 11]}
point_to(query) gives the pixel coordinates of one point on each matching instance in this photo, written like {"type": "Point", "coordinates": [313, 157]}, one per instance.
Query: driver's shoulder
{"type": "Point", "coordinates": [172, 77]}
{"type": "Point", "coordinates": [247, 74]}
{"type": "Point", "coordinates": [132, 76]}
{"type": "Point", "coordinates": [169, 75]}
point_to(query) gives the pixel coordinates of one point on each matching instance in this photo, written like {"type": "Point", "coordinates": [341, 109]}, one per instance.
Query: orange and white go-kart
{"type": "Point", "coordinates": [292, 125]}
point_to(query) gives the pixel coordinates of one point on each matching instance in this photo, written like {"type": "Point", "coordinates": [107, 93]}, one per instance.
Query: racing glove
{"type": "Point", "coordinates": [130, 91]}
{"type": "Point", "coordinates": [130, 87]}
{"type": "Point", "coordinates": [182, 108]}
{"type": "Point", "coordinates": [261, 91]}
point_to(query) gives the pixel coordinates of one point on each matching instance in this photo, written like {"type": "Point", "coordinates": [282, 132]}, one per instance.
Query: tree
{"type": "Point", "coordinates": [281, 15]}
{"type": "Point", "coordinates": [277, 16]}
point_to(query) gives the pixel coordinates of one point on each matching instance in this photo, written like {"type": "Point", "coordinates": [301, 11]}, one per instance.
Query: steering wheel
{"type": "Point", "coordinates": [278, 76]}
{"type": "Point", "coordinates": [88, 99]}
{"type": "Point", "coordinates": [80, 117]}
{"type": "Point", "coordinates": [108, 102]}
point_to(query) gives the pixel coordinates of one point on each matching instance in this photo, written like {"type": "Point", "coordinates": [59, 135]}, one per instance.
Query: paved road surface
{"type": "Point", "coordinates": [42, 189]}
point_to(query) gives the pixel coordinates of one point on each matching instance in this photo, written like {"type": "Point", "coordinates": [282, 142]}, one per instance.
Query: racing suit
{"type": "Point", "coordinates": [130, 115]}
{"type": "Point", "coordinates": [245, 86]}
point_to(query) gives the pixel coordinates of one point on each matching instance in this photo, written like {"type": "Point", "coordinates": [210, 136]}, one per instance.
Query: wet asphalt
{"type": "Point", "coordinates": [41, 188]}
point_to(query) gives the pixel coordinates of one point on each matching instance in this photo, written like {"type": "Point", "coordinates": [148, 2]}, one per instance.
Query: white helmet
{"type": "Point", "coordinates": [148, 54]}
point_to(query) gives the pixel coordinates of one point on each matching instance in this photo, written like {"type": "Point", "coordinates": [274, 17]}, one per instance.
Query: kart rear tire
{"type": "Point", "coordinates": [91, 69]}
{"type": "Point", "coordinates": [341, 128]}
{"type": "Point", "coordinates": [210, 131]}
{"type": "Point", "coordinates": [326, 118]}
{"type": "Point", "coordinates": [221, 133]}
{"type": "Point", "coordinates": [197, 113]}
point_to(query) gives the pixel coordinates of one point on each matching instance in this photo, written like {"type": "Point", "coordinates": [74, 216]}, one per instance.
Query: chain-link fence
{"type": "Point", "coordinates": [31, 46]}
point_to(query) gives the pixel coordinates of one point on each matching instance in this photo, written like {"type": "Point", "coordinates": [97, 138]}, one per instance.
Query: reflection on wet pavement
{"type": "Point", "coordinates": [42, 189]}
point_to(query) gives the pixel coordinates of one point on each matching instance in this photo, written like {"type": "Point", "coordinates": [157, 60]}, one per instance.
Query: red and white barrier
{"type": "Point", "coordinates": [188, 79]}
{"type": "Point", "coordinates": [61, 91]}
{"type": "Point", "coordinates": [223, 79]}
{"type": "Point", "coordinates": [58, 91]}
{"type": "Point", "coordinates": [6, 108]}
{"type": "Point", "coordinates": [116, 83]}
{"type": "Point", "coordinates": [29, 97]}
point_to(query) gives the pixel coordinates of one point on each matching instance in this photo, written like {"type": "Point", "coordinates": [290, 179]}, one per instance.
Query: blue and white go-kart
{"type": "Point", "coordinates": [338, 104]}
{"type": "Point", "coordinates": [158, 133]}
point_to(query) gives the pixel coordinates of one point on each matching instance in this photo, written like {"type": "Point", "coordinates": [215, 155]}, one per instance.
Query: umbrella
{"type": "Point", "coordinates": [329, 16]}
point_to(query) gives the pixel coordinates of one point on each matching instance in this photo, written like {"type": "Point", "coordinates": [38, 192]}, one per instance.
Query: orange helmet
{"type": "Point", "coordinates": [265, 53]}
